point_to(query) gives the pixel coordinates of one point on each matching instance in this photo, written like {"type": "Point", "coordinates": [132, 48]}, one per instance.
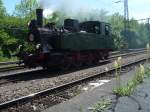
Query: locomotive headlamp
{"type": "Point", "coordinates": [38, 46]}
{"type": "Point", "coordinates": [31, 38]}
{"type": "Point", "coordinates": [20, 46]}
{"type": "Point", "coordinates": [29, 23]}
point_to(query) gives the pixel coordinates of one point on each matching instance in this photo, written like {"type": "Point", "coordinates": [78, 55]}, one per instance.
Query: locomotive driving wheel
{"type": "Point", "coordinates": [65, 64]}
{"type": "Point", "coordinates": [78, 64]}
{"type": "Point", "coordinates": [106, 55]}
{"type": "Point", "coordinates": [65, 67]}
{"type": "Point", "coordinates": [89, 62]}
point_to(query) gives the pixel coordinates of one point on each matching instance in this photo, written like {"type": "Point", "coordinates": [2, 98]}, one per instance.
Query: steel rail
{"type": "Point", "coordinates": [9, 63]}
{"type": "Point", "coordinates": [63, 87]}
{"type": "Point", "coordinates": [115, 52]}
{"type": "Point", "coordinates": [30, 71]}
{"type": "Point", "coordinates": [7, 69]}
{"type": "Point", "coordinates": [130, 53]}
{"type": "Point", "coordinates": [5, 66]}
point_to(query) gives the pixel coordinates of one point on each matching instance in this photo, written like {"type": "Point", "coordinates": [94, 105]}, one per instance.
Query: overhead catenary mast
{"type": "Point", "coordinates": [126, 18]}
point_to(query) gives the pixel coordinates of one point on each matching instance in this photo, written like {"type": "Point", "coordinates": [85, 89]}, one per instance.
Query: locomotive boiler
{"type": "Point", "coordinates": [74, 44]}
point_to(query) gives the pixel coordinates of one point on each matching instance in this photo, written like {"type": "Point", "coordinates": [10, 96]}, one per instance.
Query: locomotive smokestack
{"type": "Point", "coordinates": [39, 14]}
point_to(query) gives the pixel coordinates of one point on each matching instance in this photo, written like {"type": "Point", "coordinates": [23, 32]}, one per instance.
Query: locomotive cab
{"type": "Point", "coordinates": [72, 25]}
{"type": "Point", "coordinates": [96, 27]}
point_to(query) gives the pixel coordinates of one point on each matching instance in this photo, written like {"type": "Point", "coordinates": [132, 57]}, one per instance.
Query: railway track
{"type": "Point", "coordinates": [10, 66]}
{"type": "Point", "coordinates": [68, 84]}
{"type": "Point", "coordinates": [24, 73]}
{"type": "Point", "coordinates": [14, 65]}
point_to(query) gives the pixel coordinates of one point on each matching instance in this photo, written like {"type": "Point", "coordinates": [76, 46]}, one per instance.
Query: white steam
{"type": "Point", "coordinates": [72, 9]}
{"type": "Point", "coordinates": [47, 13]}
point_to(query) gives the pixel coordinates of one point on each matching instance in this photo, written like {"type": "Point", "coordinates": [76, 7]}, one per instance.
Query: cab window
{"type": "Point", "coordinates": [107, 30]}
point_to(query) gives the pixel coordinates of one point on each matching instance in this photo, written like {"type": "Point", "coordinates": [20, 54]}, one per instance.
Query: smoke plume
{"type": "Point", "coordinates": [72, 9]}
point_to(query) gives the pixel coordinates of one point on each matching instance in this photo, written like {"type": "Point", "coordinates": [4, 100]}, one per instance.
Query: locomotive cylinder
{"type": "Point", "coordinates": [39, 14]}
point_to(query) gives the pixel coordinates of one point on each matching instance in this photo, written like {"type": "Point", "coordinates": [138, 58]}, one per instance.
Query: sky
{"type": "Point", "coordinates": [10, 5]}
{"type": "Point", "coordinates": [138, 9]}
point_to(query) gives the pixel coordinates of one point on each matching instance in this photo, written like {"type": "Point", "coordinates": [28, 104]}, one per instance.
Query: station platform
{"type": "Point", "coordinates": [85, 101]}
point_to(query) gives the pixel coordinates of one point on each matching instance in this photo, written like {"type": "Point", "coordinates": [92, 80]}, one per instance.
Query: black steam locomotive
{"type": "Point", "coordinates": [74, 44]}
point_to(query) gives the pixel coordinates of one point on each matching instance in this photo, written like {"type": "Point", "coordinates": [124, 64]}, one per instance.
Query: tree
{"type": "Point", "coordinates": [116, 21]}
{"type": "Point", "coordinates": [2, 9]}
{"type": "Point", "coordinates": [26, 8]}
{"type": "Point", "coordinates": [8, 43]}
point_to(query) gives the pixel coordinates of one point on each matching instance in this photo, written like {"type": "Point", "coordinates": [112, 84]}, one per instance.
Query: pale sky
{"type": "Point", "coordinates": [138, 9]}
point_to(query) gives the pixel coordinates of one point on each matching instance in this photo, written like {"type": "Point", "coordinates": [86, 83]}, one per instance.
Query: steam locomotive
{"type": "Point", "coordinates": [74, 44]}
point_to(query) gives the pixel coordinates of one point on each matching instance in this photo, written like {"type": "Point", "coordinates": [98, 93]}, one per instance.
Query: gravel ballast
{"type": "Point", "coordinates": [23, 88]}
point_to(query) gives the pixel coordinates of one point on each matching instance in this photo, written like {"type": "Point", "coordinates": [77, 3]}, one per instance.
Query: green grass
{"type": "Point", "coordinates": [3, 59]}
{"type": "Point", "coordinates": [131, 85]}
{"type": "Point", "coordinates": [100, 106]}
{"type": "Point", "coordinates": [128, 89]}
{"type": "Point", "coordinates": [81, 109]}
{"type": "Point", "coordinates": [125, 90]}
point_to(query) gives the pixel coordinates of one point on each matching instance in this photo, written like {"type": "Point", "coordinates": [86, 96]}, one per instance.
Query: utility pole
{"type": "Point", "coordinates": [30, 10]}
{"type": "Point", "coordinates": [148, 22]}
{"type": "Point", "coordinates": [126, 19]}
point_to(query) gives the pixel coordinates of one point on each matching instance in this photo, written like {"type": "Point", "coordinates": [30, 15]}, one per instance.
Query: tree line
{"type": "Point", "coordinates": [13, 28]}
